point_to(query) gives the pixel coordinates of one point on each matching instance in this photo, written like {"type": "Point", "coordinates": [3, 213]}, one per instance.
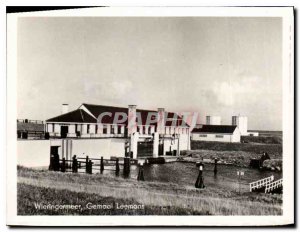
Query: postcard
{"type": "Point", "coordinates": [150, 116]}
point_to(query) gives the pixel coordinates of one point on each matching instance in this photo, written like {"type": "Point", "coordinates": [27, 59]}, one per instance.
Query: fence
{"type": "Point", "coordinates": [90, 165]}
{"type": "Point", "coordinates": [274, 185]}
{"type": "Point", "coordinates": [261, 183]}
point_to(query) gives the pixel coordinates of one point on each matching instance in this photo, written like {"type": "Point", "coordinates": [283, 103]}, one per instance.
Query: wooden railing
{"type": "Point", "coordinates": [261, 183]}
{"type": "Point", "coordinates": [30, 121]}
{"type": "Point", "coordinates": [90, 165]}
{"type": "Point", "coordinates": [274, 185]}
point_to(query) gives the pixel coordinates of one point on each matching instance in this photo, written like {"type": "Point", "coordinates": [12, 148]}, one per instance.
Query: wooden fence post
{"type": "Point", "coordinates": [101, 164]}
{"type": "Point", "coordinates": [117, 166]}
{"type": "Point", "coordinates": [87, 164]}
{"type": "Point", "coordinates": [74, 164]}
{"type": "Point", "coordinates": [90, 169]}
{"type": "Point", "coordinates": [63, 165]}
{"type": "Point", "coordinates": [215, 168]}
{"type": "Point", "coordinates": [126, 169]}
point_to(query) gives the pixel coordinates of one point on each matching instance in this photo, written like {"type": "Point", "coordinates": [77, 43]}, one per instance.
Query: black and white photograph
{"type": "Point", "coordinates": [151, 112]}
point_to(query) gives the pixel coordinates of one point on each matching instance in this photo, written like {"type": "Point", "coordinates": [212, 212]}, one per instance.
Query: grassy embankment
{"type": "Point", "coordinates": [45, 187]}
{"type": "Point", "coordinates": [234, 153]}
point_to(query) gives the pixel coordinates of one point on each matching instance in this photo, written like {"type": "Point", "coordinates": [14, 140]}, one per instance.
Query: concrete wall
{"type": "Point", "coordinates": [36, 153]}
{"type": "Point", "coordinates": [33, 153]}
{"type": "Point", "coordinates": [95, 148]}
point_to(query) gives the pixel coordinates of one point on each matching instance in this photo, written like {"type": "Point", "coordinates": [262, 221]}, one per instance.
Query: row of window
{"type": "Point", "coordinates": [145, 130]}
{"type": "Point", "coordinates": [117, 129]}
{"type": "Point", "coordinates": [217, 136]}
{"type": "Point", "coordinates": [105, 128]}
{"type": "Point", "coordinates": [170, 130]}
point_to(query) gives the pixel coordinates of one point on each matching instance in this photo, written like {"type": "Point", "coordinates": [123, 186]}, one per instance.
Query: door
{"type": "Point", "coordinates": [64, 130]}
{"type": "Point", "coordinates": [145, 149]}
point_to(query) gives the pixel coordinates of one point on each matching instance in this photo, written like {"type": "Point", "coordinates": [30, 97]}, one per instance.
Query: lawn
{"type": "Point", "coordinates": [55, 188]}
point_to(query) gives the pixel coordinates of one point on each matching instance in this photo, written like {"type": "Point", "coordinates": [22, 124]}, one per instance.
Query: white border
{"type": "Point", "coordinates": [288, 126]}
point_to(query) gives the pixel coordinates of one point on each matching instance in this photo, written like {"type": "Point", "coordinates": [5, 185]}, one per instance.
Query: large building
{"type": "Point", "coordinates": [136, 129]}
{"type": "Point", "coordinates": [218, 133]}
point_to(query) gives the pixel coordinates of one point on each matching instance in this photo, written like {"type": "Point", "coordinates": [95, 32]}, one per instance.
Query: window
{"type": "Point", "coordinates": [202, 135]}
{"type": "Point", "coordinates": [96, 129]}
{"type": "Point", "coordinates": [119, 129]}
{"type": "Point", "coordinates": [219, 136]}
{"type": "Point", "coordinates": [88, 128]}
{"type": "Point", "coordinates": [104, 129]}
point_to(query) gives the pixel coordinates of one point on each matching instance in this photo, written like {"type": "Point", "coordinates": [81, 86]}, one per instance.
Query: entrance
{"type": "Point", "coordinates": [161, 149]}
{"type": "Point", "coordinates": [145, 149]}
{"type": "Point", "coordinates": [64, 130]}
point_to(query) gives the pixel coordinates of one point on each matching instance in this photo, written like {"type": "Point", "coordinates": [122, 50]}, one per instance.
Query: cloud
{"type": "Point", "coordinates": [224, 93]}
{"type": "Point", "coordinates": [120, 89]}
{"type": "Point", "coordinates": [228, 93]}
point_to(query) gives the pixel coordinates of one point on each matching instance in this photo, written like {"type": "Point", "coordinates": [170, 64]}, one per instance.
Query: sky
{"type": "Point", "coordinates": [213, 66]}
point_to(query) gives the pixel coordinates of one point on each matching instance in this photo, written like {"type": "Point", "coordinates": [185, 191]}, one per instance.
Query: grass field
{"type": "Point", "coordinates": [262, 139]}
{"type": "Point", "coordinates": [233, 153]}
{"type": "Point", "coordinates": [45, 187]}
{"type": "Point", "coordinates": [255, 148]}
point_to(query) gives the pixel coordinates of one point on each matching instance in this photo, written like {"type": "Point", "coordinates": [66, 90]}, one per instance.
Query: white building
{"type": "Point", "coordinates": [213, 120]}
{"type": "Point", "coordinates": [242, 123]}
{"type": "Point", "coordinates": [219, 133]}
{"type": "Point", "coordinates": [135, 134]}
{"type": "Point", "coordinates": [253, 133]}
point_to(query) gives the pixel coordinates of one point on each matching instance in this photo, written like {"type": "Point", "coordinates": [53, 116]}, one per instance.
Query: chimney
{"type": "Point", "coordinates": [213, 120]}
{"type": "Point", "coordinates": [65, 108]}
{"type": "Point", "coordinates": [161, 121]}
{"type": "Point", "coordinates": [131, 119]}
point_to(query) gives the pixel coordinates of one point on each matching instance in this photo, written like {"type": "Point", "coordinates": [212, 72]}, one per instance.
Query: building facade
{"type": "Point", "coordinates": [139, 130]}
{"type": "Point", "coordinates": [217, 133]}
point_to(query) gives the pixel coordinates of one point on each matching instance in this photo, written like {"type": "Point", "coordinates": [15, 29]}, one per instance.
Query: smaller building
{"type": "Point", "coordinates": [30, 129]}
{"type": "Point", "coordinates": [218, 133]}
{"type": "Point", "coordinates": [253, 133]}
